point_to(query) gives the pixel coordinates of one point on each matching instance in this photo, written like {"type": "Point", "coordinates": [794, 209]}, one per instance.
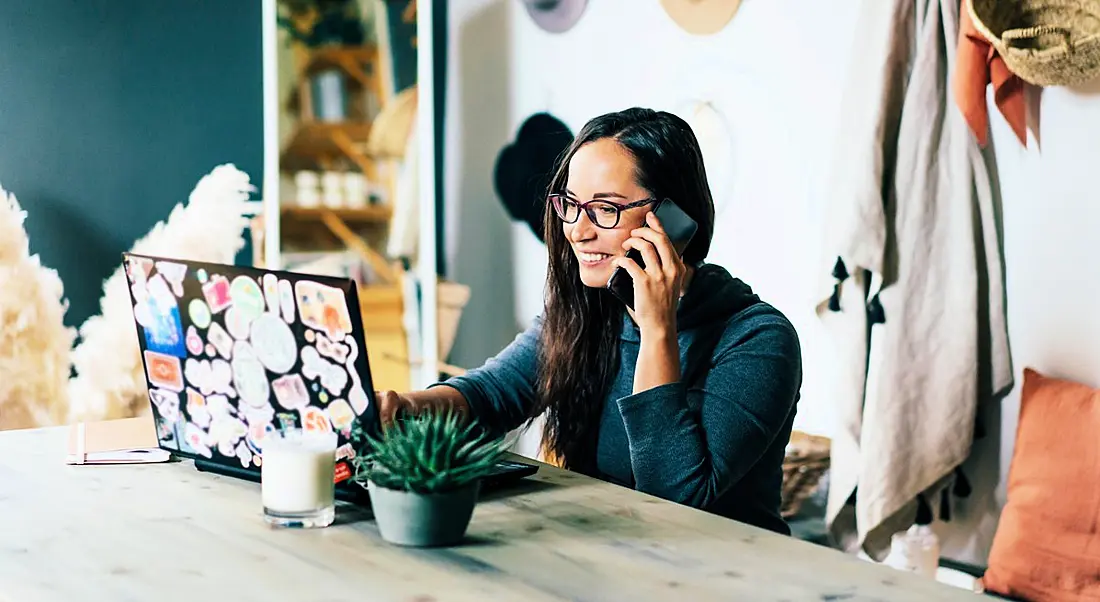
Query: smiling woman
{"type": "Point", "coordinates": [691, 394]}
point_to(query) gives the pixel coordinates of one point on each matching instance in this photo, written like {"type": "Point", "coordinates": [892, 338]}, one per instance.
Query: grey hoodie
{"type": "Point", "coordinates": [716, 443]}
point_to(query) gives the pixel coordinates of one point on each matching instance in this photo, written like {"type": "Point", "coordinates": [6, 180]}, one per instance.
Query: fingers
{"type": "Point", "coordinates": [655, 234]}
{"type": "Point", "coordinates": [650, 257]}
{"type": "Point", "coordinates": [631, 267]}
{"type": "Point", "coordinates": [389, 403]}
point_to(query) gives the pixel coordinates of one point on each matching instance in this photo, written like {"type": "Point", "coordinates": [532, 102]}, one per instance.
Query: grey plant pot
{"type": "Point", "coordinates": [418, 520]}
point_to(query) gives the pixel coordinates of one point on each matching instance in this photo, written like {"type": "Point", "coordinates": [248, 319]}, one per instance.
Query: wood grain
{"type": "Point", "coordinates": [168, 532]}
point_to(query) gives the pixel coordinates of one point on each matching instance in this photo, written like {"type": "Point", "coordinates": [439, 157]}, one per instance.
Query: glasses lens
{"type": "Point", "coordinates": [566, 209]}
{"type": "Point", "coordinates": [605, 215]}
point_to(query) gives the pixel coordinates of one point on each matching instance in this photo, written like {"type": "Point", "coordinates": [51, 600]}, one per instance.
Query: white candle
{"type": "Point", "coordinates": [297, 477]}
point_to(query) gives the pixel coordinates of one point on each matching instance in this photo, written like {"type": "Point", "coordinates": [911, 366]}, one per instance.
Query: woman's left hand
{"type": "Point", "coordinates": [657, 288]}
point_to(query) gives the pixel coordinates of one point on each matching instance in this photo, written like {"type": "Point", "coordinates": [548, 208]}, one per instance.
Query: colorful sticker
{"type": "Point", "coordinates": [199, 312]}
{"type": "Point", "coordinates": [173, 273]}
{"type": "Point", "coordinates": [257, 415]}
{"type": "Point", "coordinates": [216, 292]}
{"type": "Point", "coordinates": [167, 404]}
{"type": "Point", "coordinates": [323, 308]}
{"type": "Point", "coordinates": [238, 323]}
{"type": "Point", "coordinates": [286, 421]}
{"type": "Point", "coordinates": [225, 434]}
{"type": "Point", "coordinates": [290, 391]}
{"type": "Point", "coordinates": [257, 433]}
{"type": "Point", "coordinates": [311, 336]}
{"type": "Point", "coordinates": [345, 452]}
{"type": "Point", "coordinates": [339, 412]}
{"type": "Point", "coordinates": [249, 376]}
{"type": "Point", "coordinates": [271, 293]}
{"type": "Point", "coordinates": [333, 377]}
{"type": "Point", "coordinates": [168, 433]}
{"type": "Point", "coordinates": [313, 419]}
{"type": "Point", "coordinates": [342, 473]}
{"type": "Point", "coordinates": [209, 376]}
{"type": "Point", "coordinates": [221, 340]}
{"type": "Point", "coordinates": [164, 371]}
{"type": "Point", "coordinates": [194, 341]}
{"type": "Point", "coordinates": [197, 439]}
{"type": "Point", "coordinates": [323, 397]}
{"type": "Point", "coordinates": [210, 351]}
{"type": "Point", "coordinates": [200, 274]}
{"type": "Point", "coordinates": [163, 329]}
{"type": "Point", "coordinates": [357, 396]}
{"type": "Point", "coordinates": [196, 408]}
{"type": "Point", "coordinates": [337, 352]}
{"type": "Point", "coordinates": [247, 297]}
{"type": "Point", "coordinates": [286, 301]}
{"type": "Point", "coordinates": [139, 269]}
{"type": "Point", "coordinates": [274, 343]}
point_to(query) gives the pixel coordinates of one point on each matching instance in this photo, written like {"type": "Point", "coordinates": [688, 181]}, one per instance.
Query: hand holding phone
{"type": "Point", "coordinates": [678, 227]}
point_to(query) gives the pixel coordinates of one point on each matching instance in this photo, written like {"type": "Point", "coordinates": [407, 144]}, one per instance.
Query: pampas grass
{"type": "Point", "coordinates": [34, 342]}
{"type": "Point", "coordinates": [110, 379]}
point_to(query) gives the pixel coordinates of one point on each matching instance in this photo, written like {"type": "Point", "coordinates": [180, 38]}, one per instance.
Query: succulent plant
{"type": "Point", "coordinates": [433, 452]}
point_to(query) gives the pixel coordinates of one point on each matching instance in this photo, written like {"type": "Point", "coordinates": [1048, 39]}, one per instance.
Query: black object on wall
{"type": "Point", "coordinates": [110, 113]}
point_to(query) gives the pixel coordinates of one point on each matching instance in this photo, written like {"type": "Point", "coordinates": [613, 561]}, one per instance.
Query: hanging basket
{"type": "Point", "coordinates": [806, 461]}
{"type": "Point", "coordinates": [1045, 42]}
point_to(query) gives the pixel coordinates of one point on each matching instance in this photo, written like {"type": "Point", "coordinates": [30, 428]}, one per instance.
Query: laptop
{"type": "Point", "coordinates": [232, 353]}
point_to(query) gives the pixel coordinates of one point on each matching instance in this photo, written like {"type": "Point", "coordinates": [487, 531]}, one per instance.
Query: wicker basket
{"type": "Point", "coordinates": [806, 461]}
{"type": "Point", "coordinates": [1045, 42]}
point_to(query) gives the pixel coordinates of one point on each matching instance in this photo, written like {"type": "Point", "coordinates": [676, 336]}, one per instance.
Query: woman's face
{"type": "Point", "coordinates": [602, 170]}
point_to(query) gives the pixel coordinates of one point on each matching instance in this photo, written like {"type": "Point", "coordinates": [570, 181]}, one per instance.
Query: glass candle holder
{"type": "Point", "coordinates": [297, 478]}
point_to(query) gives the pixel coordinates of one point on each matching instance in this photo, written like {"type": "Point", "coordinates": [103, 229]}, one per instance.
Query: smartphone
{"type": "Point", "coordinates": [679, 227]}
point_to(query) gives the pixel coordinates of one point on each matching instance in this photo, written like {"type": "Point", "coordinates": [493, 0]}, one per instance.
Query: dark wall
{"type": "Point", "coordinates": [111, 111]}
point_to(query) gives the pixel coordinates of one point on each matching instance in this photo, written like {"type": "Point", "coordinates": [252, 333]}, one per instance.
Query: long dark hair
{"type": "Point", "coordinates": [579, 347]}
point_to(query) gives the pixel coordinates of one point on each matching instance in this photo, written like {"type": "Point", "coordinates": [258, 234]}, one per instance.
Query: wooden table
{"type": "Point", "coordinates": [168, 532]}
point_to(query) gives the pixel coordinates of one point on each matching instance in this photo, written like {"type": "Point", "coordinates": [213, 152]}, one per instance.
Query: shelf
{"type": "Point", "coordinates": [374, 214]}
{"type": "Point", "coordinates": [314, 142]}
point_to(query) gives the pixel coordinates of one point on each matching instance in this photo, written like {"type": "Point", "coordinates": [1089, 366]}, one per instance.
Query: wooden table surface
{"type": "Point", "coordinates": [168, 532]}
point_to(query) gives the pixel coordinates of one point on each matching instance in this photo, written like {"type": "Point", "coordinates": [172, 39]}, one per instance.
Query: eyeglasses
{"type": "Point", "coordinates": [604, 214]}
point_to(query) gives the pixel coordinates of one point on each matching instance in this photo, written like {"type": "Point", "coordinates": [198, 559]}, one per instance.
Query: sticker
{"type": "Point", "coordinates": [247, 297]}
{"type": "Point", "coordinates": [201, 275]}
{"type": "Point", "coordinates": [216, 293]}
{"type": "Point", "coordinates": [271, 293]}
{"type": "Point", "coordinates": [339, 412]}
{"type": "Point", "coordinates": [138, 269]}
{"type": "Point", "coordinates": [173, 273]}
{"type": "Point", "coordinates": [225, 434]}
{"type": "Point", "coordinates": [142, 314]}
{"type": "Point", "coordinates": [168, 433]}
{"type": "Point", "coordinates": [249, 376]}
{"type": "Point", "coordinates": [323, 308]}
{"type": "Point", "coordinates": [197, 439]}
{"type": "Point", "coordinates": [343, 472]}
{"type": "Point", "coordinates": [257, 461]}
{"type": "Point", "coordinates": [333, 377]}
{"type": "Point", "coordinates": [286, 421]}
{"type": "Point", "coordinates": [286, 301]}
{"type": "Point", "coordinates": [221, 340]}
{"type": "Point", "coordinates": [210, 351]}
{"type": "Point", "coordinates": [196, 409]}
{"type": "Point", "coordinates": [345, 452]}
{"type": "Point", "coordinates": [219, 407]}
{"type": "Point", "coordinates": [274, 343]}
{"type": "Point", "coordinates": [313, 419]}
{"type": "Point", "coordinates": [323, 397]}
{"type": "Point", "coordinates": [164, 371]}
{"type": "Point", "coordinates": [238, 323]}
{"type": "Point", "coordinates": [163, 329]}
{"type": "Point", "coordinates": [257, 433]}
{"type": "Point", "coordinates": [290, 391]}
{"type": "Point", "coordinates": [357, 396]}
{"type": "Point", "coordinates": [194, 341]}
{"type": "Point", "coordinates": [199, 312]}
{"type": "Point", "coordinates": [244, 454]}
{"type": "Point", "coordinates": [209, 376]}
{"type": "Point", "coordinates": [167, 404]}
{"type": "Point", "coordinates": [337, 352]}
{"type": "Point", "coordinates": [311, 336]}
{"type": "Point", "coordinates": [257, 415]}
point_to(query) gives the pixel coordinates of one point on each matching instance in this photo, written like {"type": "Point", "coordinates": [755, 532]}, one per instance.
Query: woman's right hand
{"type": "Point", "coordinates": [392, 403]}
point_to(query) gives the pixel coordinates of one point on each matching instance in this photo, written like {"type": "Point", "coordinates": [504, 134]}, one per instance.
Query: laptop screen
{"type": "Point", "coordinates": [232, 353]}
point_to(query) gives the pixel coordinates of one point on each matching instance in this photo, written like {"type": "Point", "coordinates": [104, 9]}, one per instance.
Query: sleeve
{"type": "Point", "coordinates": [693, 457]}
{"type": "Point", "coordinates": [502, 391]}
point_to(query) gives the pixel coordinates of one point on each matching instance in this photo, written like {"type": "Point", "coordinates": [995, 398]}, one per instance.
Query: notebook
{"type": "Point", "coordinates": [124, 441]}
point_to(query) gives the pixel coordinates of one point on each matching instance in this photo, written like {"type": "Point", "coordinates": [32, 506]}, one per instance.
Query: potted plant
{"type": "Point", "coordinates": [423, 476]}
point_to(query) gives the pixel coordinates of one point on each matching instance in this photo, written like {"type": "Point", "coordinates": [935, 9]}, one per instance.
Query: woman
{"type": "Point", "coordinates": [691, 395]}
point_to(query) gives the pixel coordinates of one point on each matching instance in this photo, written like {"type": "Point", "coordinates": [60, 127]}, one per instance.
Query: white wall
{"type": "Point", "coordinates": [776, 72]}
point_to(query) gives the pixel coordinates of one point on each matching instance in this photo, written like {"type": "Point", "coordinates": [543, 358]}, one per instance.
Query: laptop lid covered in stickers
{"type": "Point", "coordinates": [232, 353]}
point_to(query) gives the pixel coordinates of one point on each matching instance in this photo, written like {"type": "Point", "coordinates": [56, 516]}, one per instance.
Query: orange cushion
{"type": "Point", "coordinates": [1047, 546]}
